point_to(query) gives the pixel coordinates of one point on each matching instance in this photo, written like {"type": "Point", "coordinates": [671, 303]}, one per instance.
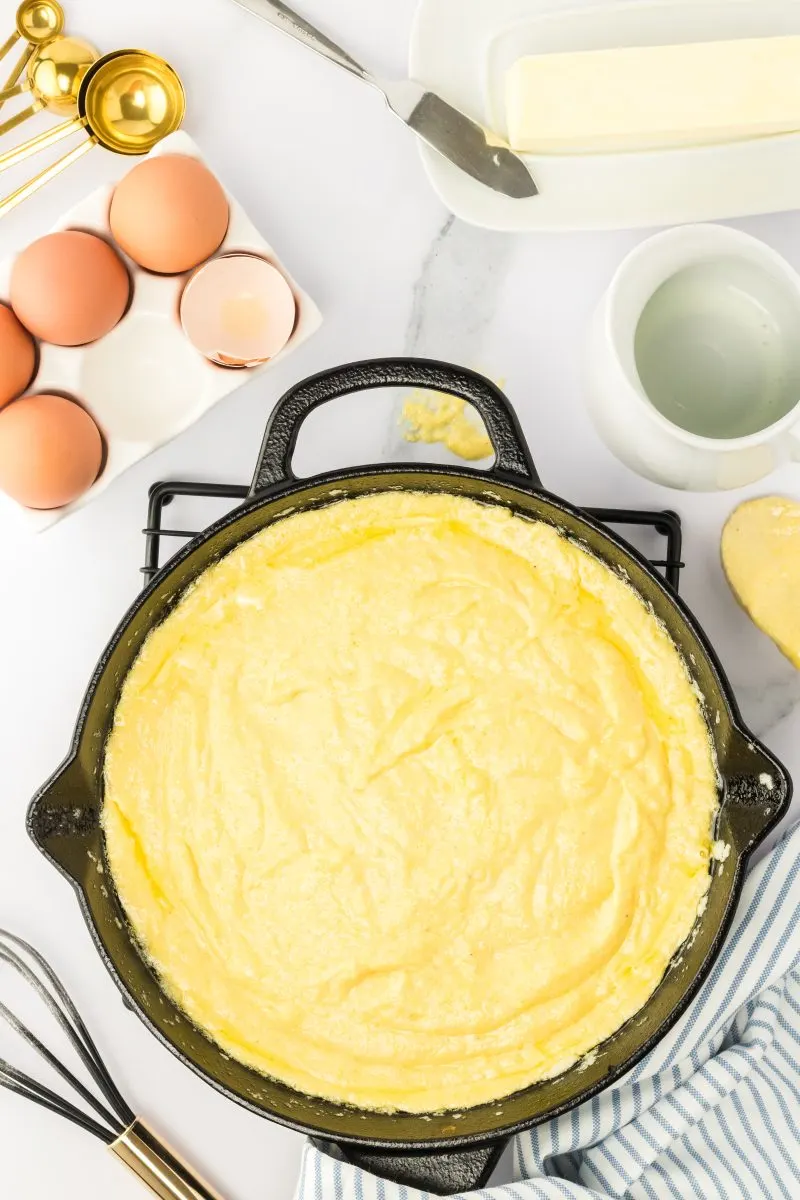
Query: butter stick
{"type": "Point", "coordinates": [651, 97]}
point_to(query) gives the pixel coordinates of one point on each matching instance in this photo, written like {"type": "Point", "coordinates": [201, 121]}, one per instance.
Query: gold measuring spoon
{"type": "Point", "coordinates": [128, 101]}
{"type": "Point", "coordinates": [55, 74]}
{"type": "Point", "coordinates": [37, 23]}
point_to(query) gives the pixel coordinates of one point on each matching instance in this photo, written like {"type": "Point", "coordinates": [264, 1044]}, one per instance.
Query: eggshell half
{"type": "Point", "coordinates": [238, 310]}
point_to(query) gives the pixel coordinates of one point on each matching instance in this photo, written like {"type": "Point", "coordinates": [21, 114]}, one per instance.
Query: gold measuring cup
{"type": "Point", "coordinates": [128, 101]}
{"type": "Point", "coordinates": [37, 23]}
{"type": "Point", "coordinates": [55, 74]}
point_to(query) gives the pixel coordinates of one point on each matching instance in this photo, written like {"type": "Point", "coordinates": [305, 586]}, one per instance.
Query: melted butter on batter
{"type": "Point", "coordinates": [410, 802]}
{"type": "Point", "coordinates": [448, 420]}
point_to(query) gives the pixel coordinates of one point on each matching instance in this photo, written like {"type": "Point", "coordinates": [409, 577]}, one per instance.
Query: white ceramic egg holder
{"type": "Point", "coordinates": [144, 383]}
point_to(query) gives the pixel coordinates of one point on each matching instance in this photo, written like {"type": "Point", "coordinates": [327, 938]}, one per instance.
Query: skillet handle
{"type": "Point", "coordinates": [513, 458]}
{"type": "Point", "coordinates": [446, 1173]}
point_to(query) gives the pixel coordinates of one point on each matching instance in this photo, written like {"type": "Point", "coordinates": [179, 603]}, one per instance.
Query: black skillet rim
{"type": "Point", "coordinates": [330, 480]}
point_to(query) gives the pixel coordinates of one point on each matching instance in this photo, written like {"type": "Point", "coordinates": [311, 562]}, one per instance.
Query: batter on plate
{"type": "Point", "coordinates": [410, 802]}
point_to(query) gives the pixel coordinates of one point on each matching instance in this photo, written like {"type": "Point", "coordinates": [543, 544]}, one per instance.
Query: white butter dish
{"type": "Point", "coordinates": [144, 383]}
{"type": "Point", "coordinates": [612, 190]}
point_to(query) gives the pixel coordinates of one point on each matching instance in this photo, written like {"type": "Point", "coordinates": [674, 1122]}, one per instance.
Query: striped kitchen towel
{"type": "Point", "coordinates": [713, 1113]}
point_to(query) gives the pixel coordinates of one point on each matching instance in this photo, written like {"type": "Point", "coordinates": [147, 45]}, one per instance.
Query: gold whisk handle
{"type": "Point", "coordinates": [33, 185]}
{"type": "Point", "coordinates": [159, 1167]}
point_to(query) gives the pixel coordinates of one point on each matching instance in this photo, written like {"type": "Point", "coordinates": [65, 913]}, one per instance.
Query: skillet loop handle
{"type": "Point", "coordinates": [442, 1173]}
{"type": "Point", "coordinates": [513, 458]}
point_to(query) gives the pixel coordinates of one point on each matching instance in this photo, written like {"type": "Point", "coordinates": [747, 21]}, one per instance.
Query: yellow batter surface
{"type": "Point", "coordinates": [410, 802]}
{"type": "Point", "coordinates": [434, 417]}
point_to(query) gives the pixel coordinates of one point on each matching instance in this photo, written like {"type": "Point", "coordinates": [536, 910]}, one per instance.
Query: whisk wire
{"type": "Point", "coordinates": [33, 1041]}
{"type": "Point", "coordinates": [128, 1137]}
{"type": "Point", "coordinates": [19, 1083]}
{"type": "Point", "coordinates": [81, 1037]}
{"type": "Point", "coordinates": [53, 995]}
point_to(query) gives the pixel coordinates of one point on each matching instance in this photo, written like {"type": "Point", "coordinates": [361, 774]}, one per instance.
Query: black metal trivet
{"type": "Point", "coordinates": [667, 524]}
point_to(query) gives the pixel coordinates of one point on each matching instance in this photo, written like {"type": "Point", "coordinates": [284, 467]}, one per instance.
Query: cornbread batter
{"type": "Point", "coordinates": [761, 558]}
{"type": "Point", "coordinates": [410, 802]}
{"type": "Point", "coordinates": [445, 419]}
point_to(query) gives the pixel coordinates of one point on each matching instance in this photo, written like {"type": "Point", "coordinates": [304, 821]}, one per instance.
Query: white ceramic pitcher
{"type": "Point", "coordinates": [693, 368]}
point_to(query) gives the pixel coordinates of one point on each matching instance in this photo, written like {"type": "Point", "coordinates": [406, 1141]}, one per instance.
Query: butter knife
{"type": "Point", "coordinates": [477, 151]}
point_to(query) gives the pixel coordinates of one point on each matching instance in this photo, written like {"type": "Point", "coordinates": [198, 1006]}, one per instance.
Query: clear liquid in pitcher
{"type": "Point", "coordinates": [718, 349]}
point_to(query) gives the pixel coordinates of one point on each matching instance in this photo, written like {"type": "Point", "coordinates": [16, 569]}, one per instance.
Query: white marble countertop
{"type": "Point", "coordinates": [336, 185]}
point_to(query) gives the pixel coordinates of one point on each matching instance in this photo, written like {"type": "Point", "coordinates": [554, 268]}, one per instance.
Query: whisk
{"type": "Point", "coordinates": [107, 1116]}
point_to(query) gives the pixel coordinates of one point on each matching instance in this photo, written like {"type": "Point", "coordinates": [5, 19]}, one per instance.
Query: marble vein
{"type": "Point", "coordinates": [454, 301]}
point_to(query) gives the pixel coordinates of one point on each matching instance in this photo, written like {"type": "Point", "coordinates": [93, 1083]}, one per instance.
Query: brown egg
{"type": "Point", "coordinates": [69, 288]}
{"type": "Point", "coordinates": [169, 214]}
{"type": "Point", "coordinates": [17, 357]}
{"type": "Point", "coordinates": [50, 451]}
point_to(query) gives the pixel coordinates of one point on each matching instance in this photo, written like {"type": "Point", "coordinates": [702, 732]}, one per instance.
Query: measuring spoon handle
{"type": "Point", "coordinates": [9, 44]}
{"type": "Point", "coordinates": [49, 173]}
{"type": "Point", "coordinates": [284, 18]}
{"type": "Point", "coordinates": [20, 117]}
{"type": "Point", "coordinates": [10, 92]}
{"type": "Point", "coordinates": [16, 71]}
{"type": "Point", "coordinates": [34, 145]}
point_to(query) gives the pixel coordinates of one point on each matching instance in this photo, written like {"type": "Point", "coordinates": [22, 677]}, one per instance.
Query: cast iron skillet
{"type": "Point", "coordinates": [443, 1153]}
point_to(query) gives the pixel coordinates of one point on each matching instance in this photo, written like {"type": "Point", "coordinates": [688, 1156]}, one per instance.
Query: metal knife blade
{"type": "Point", "coordinates": [475, 150]}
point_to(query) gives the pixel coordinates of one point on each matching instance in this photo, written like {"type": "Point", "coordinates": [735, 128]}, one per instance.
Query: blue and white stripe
{"type": "Point", "coordinates": [712, 1113]}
